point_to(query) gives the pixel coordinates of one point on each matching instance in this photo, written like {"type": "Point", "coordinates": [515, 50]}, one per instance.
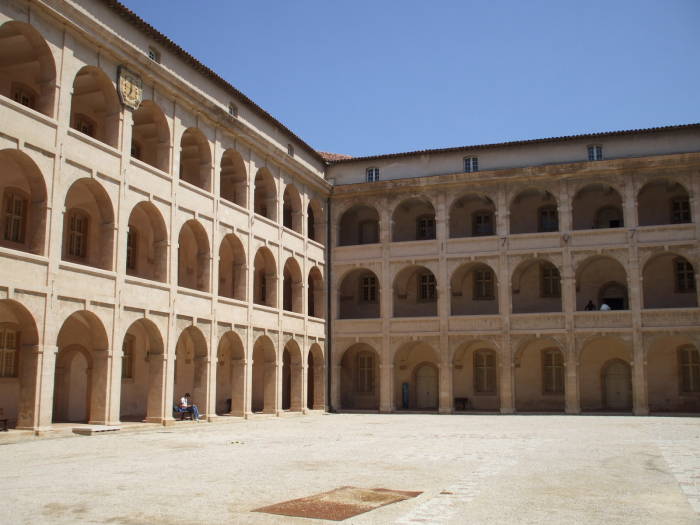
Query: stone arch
{"type": "Point", "coordinates": [413, 219]}
{"type": "Point", "coordinates": [597, 206]}
{"type": "Point", "coordinates": [232, 268]}
{"type": "Point", "coordinates": [191, 364]}
{"type": "Point", "coordinates": [264, 394]}
{"type": "Point", "coordinates": [474, 290]}
{"type": "Point", "coordinates": [292, 286]}
{"type": "Point", "coordinates": [193, 257]}
{"type": "Point", "coordinates": [415, 386]}
{"type": "Point", "coordinates": [663, 201]}
{"type": "Point", "coordinates": [233, 184]}
{"type": "Point", "coordinates": [95, 109]}
{"type": "Point", "coordinates": [475, 376]}
{"type": "Point", "coordinates": [230, 375]}
{"type": "Point", "coordinates": [292, 374]}
{"type": "Point", "coordinates": [143, 378]}
{"type": "Point", "coordinates": [88, 225]}
{"type": "Point", "coordinates": [150, 136]}
{"type": "Point", "coordinates": [533, 210]}
{"type": "Point", "coordinates": [669, 280]}
{"type": "Point", "coordinates": [195, 159]}
{"type": "Point", "coordinates": [359, 378]}
{"type": "Point", "coordinates": [536, 287]}
{"type": "Point", "coordinates": [596, 354]}
{"type": "Point", "coordinates": [601, 279]}
{"type": "Point", "coordinates": [540, 376]}
{"type": "Point", "coordinates": [415, 292]}
{"type": "Point", "coordinates": [265, 278]}
{"type": "Point", "coordinates": [472, 215]}
{"type": "Point", "coordinates": [315, 294]}
{"type": "Point", "coordinates": [24, 203]}
{"type": "Point", "coordinates": [359, 224]}
{"type": "Point", "coordinates": [265, 195]}
{"type": "Point", "coordinates": [18, 364]}
{"type": "Point", "coordinates": [315, 378]}
{"type": "Point", "coordinates": [316, 222]}
{"type": "Point", "coordinates": [359, 295]}
{"type": "Point", "coordinates": [147, 243]}
{"type": "Point", "coordinates": [673, 369]}
{"type": "Point", "coordinates": [28, 69]}
{"type": "Point", "coordinates": [291, 208]}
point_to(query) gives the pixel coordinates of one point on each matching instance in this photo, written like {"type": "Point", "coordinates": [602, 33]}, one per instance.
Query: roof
{"type": "Point", "coordinates": [565, 138]}
{"type": "Point", "coordinates": [138, 22]}
{"type": "Point", "coordinates": [330, 157]}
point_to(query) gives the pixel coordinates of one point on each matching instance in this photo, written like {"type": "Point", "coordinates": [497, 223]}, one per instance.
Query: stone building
{"type": "Point", "coordinates": [163, 234]}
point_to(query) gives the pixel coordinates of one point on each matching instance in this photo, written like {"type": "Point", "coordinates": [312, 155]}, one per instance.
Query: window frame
{"type": "Point", "coordinates": [5, 328]}
{"type": "Point", "coordinates": [689, 385]}
{"type": "Point", "coordinates": [425, 228]}
{"type": "Point", "coordinates": [132, 238]}
{"type": "Point", "coordinates": [365, 380]}
{"type": "Point", "coordinates": [372, 174]}
{"type": "Point", "coordinates": [595, 152]}
{"type": "Point", "coordinates": [10, 196]}
{"type": "Point", "coordinates": [128, 357]}
{"type": "Point", "coordinates": [556, 371]}
{"type": "Point", "coordinates": [471, 164]}
{"type": "Point", "coordinates": [427, 288]}
{"type": "Point", "coordinates": [542, 224]}
{"type": "Point", "coordinates": [552, 290]}
{"type": "Point", "coordinates": [74, 214]}
{"type": "Point", "coordinates": [682, 215]}
{"type": "Point", "coordinates": [483, 213]}
{"type": "Point", "coordinates": [485, 372]}
{"type": "Point", "coordinates": [483, 284]}
{"type": "Point", "coordinates": [153, 54]}
{"type": "Point", "coordinates": [683, 278]}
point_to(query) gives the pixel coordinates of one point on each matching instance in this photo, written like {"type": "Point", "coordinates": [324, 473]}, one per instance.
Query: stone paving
{"type": "Point", "coordinates": [469, 468]}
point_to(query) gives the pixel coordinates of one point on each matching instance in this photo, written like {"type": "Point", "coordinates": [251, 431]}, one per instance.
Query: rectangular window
{"type": "Point", "coordinates": [552, 372]}
{"type": "Point", "coordinates": [483, 285]}
{"type": "Point", "coordinates": [482, 224]}
{"type": "Point", "coordinates": [549, 220]}
{"type": "Point", "coordinates": [425, 228]}
{"type": "Point", "coordinates": [369, 289]}
{"type": "Point", "coordinates": [427, 289]}
{"type": "Point", "coordinates": [690, 369]}
{"type": "Point", "coordinates": [24, 96]}
{"type": "Point", "coordinates": [15, 213]}
{"type": "Point", "coordinates": [485, 372]}
{"type": "Point", "coordinates": [595, 152]}
{"type": "Point", "coordinates": [154, 54]}
{"type": "Point", "coordinates": [365, 373]}
{"type": "Point", "coordinates": [128, 358]}
{"type": "Point", "coordinates": [372, 174]}
{"type": "Point", "coordinates": [233, 110]}
{"type": "Point", "coordinates": [290, 150]}
{"type": "Point", "coordinates": [9, 343]}
{"type": "Point", "coordinates": [680, 211]}
{"type": "Point", "coordinates": [471, 164]}
{"type": "Point", "coordinates": [685, 276]}
{"type": "Point", "coordinates": [551, 287]}
{"type": "Point", "coordinates": [131, 249]}
{"type": "Point", "coordinates": [77, 236]}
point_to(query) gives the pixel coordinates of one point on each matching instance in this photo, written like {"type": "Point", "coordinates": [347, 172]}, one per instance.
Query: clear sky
{"type": "Point", "coordinates": [366, 77]}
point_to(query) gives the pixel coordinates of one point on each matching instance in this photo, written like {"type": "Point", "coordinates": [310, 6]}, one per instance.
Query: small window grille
{"type": "Point", "coordinates": [77, 235]}
{"type": "Point", "coordinates": [680, 211]}
{"type": "Point", "coordinates": [372, 174]}
{"type": "Point", "coordinates": [551, 286]}
{"type": "Point", "coordinates": [595, 152]}
{"type": "Point", "coordinates": [369, 289]}
{"type": "Point", "coordinates": [154, 54]}
{"type": "Point", "coordinates": [685, 276]}
{"type": "Point", "coordinates": [427, 287]}
{"type": "Point", "coordinates": [471, 164]}
{"type": "Point", "coordinates": [233, 110]}
{"type": "Point", "coordinates": [552, 372]}
{"type": "Point", "coordinates": [290, 150]}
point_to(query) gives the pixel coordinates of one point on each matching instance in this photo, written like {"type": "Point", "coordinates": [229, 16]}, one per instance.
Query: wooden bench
{"type": "Point", "coordinates": [462, 403]}
{"type": "Point", "coordinates": [3, 425]}
{"type": "Point", "coordinates": [184, 414]}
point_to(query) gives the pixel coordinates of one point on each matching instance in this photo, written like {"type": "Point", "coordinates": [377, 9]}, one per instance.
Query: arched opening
{"type": "Point", "coordinates": [264, 394]}
{"type": "Point", "coordinates": [663, 202]}
{"type": "Point", "coordinates": [150, 136]}
{"type": "Point", "coordinates": [315, 222]}
{"type": "Point", "coordinates": [191, 368]}
{"type": "Point", "coordinates": [673, 369]}
{"type": "Point", "coordinates": [265, 278]}
{"type": "Point", "coordinates": [142, 373]}
{"type": "Point", "coordinates": [533, 211]}
{"type": "Point", "coordinates": [27, 68]}
{"type": "Point", "coordinates": [88, 225]}
{"type": "Point", "coordinates": [193, 257]}
{"type": "Point", "coordinates": [147, 243]}
{"type": "Point", "coordinates": [539, 377]}
{"type": "Point", "coordinates": [359, 225]}
{"type": "Point", "coordinates": [265, 196]}
{"type": "Point", "coordinates": [234, 178]}
{"type": "Point", "coordinates": [475, 377]}
{"type": "Point", "coordinates": [81, 377]}
{"type": "Point", "coordinates": [603, 385]}
{"type": "Point", "coordinates": [95, 107]}
{"type": "Point", "coordinates": [18, 365]}
{"type": "Point", "coordinates": [597, 206]}
{"type": "Point", "coordinates": [230, 376]}
{"type": "Point", "coordinates": [536, 287]}
{"type": "Point", "coordinates": [472, 215]}
{"type": "Point", "coordinates": [23, 193]}
{"type": "Point", "coordinates": [413, 220]}
{"type": "Point", "coordinates": [359, 378]}
{"type": "Point", "coordinates": [601, 280]}
{"type": "Point", "coordinates": [315, 374]}
{"type": "Point", "coordinates": [291, 208]}
{"type": "Point", "coordinates": [669, 281]}
{"type": "Point", "coordinates": [416, 377]}
{"type": "Point", "coordinates": [292, 287]}
{"type": "Point", "coordinates": [359, 295]}
{"type": "Point", "coordinates": [195, 159]}
{"type": "Point", "coordinates": [315, 294]}
{"type": "Point", "coordinates": [474, 290]}
{"type": "Point", "coordinates": [292, 377]}
{"type": "Point", "coordinates": [415, 292]}
{"type": "Point", "coordinates": [232, 268]}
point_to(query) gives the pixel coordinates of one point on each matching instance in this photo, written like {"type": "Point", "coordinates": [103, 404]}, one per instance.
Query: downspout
{"type": "Point", "coordinates": [329, 314]}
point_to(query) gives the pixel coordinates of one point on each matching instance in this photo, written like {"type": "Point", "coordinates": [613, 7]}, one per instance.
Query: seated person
{"type": "Point", "coordinates": [186, 405]}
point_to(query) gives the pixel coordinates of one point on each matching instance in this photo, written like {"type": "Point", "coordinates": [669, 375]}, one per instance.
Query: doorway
{"type": "Point", "coordinates": [426, 387]}
{"type": "Point", "coordinates": [617, 385]}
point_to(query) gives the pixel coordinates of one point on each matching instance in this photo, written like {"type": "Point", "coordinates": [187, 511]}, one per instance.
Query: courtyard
{"type": "Point", "coordinates": [468, 468]}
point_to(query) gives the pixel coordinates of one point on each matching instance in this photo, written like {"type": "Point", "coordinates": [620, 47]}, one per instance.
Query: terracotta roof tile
{"type": "Point", "coordinates": [330, 157]}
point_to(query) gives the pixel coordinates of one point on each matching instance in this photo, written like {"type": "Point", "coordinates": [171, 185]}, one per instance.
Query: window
{"type": "Point", "coordinates": [77, 234]}
{"type": "Point", "coordinates": [485, 372]}
{"type": "Point", "coordinates": [680, 211]}
{"type": "Point", "coordinates": [550, 285]}
{"type": "Point", "coordinates": [263, 286]}
{"type": "Point", "coordinates": [84, 125]}
{"type": "Point", "coordinates": [595, 152]}
{"type": "Point", "coordinates": [310, 295]}
{"type": "Point", "coordinates": [24, 95]}
{"type": "Point", "coordinates": [471, 164]}
{"type": "Point", "coordinates": [290, 150]}
{"type": "Point", "coordinates": [372, 174]}
{"type": "Point", "coordinates": [9, 344]}
{"type": "Point", "coordinates": [154, 54]}
{"type": "Point", "coordinates": [365, 373]}
{"type": "Point", "coordinates": [128, 357]}
{"type": "Point", "coordinates": [136, 150]}
{"type": "Point", "coordinates": [131, 240]}
{"type": "Point", "coordinates": [482, 223]}
{"type": "Point", "coordinates": [310, 224]}
{"type": "Point", "coordinates": [427, 287]}
{"type": "Point", "coordinates": [689, 362]}
{"type": "Point", "coordinates": [425, 227]}
{"type": "Point", "coordinates": [233, 110]}
{"type": "Point", "coordinates": [548, 219]}
{"type": "Point", "coordinates": [368, 289]}
{"type": "Point", "coordinates": [685, 276]}
{"type": "Point", "coordinates": [483, 284]}
{"type": "Point", "coordinates": [552, 372]}
{"type": "Point", "coordinates": [15, 217]}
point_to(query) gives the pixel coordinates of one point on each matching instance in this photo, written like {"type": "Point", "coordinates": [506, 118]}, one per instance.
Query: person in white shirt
{"type": "Point", "coordinates": [604, 307]}
{"type": "Point", "coordinates": [186, 405]}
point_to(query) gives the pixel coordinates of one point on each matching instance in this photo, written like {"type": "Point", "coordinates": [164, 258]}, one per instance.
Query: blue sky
{"type": "Point", "coordinates": [369, 77]}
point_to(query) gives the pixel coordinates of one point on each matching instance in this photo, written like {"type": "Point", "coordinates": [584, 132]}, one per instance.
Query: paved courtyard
{"type": "Point", "coordinates": [470, 469]}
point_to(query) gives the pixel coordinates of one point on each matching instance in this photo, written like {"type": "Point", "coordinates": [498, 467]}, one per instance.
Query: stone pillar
{"type": "Point", "coordinates": [238, 381]}
{"type": "Point", "coordinates": [114, 387]}
{"type": "Point", "coordinates": [211, 386]}
{"type": "Point", "coordinates": [335, 386]}
{"type": "Point", "coordinates": [571, 386]}
{"type": "Point", "coordinates": [640, 400]}
{"type": "Point", "coordinates": [271, 403]}
{"type": "Point", "coordinates": [199, 390]}
{"type": "Point", "coordinates": [507, 382]}
{"type": "Point", "coordinates": [168, 386]}
{"type": "Point", "coordinates": [446, 398]}
{"type": "Point", "coordinates": [37, 387]}
{"type": "Point", "coordinates": [319, 400]}
{"type": "Point", "coordinates": [386, 388]}
{"type": "Point", "coordinates": [155, 410]}
{"type": "Point", "coordinates": [248, 394]}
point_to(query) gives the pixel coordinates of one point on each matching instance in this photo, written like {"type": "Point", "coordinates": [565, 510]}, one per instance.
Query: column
{"type": "Point", "coordinates": [571, 386]}
{"type": "Point", "coordinates": [386, 388]}
{"type": "Point", "coordinates": [36, 397]}
{"type": "Point", "coordinates": [507, 383]}
{"type": "Point", "coordinates": [335, 386]}
{"type": "Point", "coordinates": [445, 399]}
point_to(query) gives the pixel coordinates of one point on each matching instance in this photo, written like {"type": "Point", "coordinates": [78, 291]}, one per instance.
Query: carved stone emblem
{"type": "Point", "coordinates": [130, 88]}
